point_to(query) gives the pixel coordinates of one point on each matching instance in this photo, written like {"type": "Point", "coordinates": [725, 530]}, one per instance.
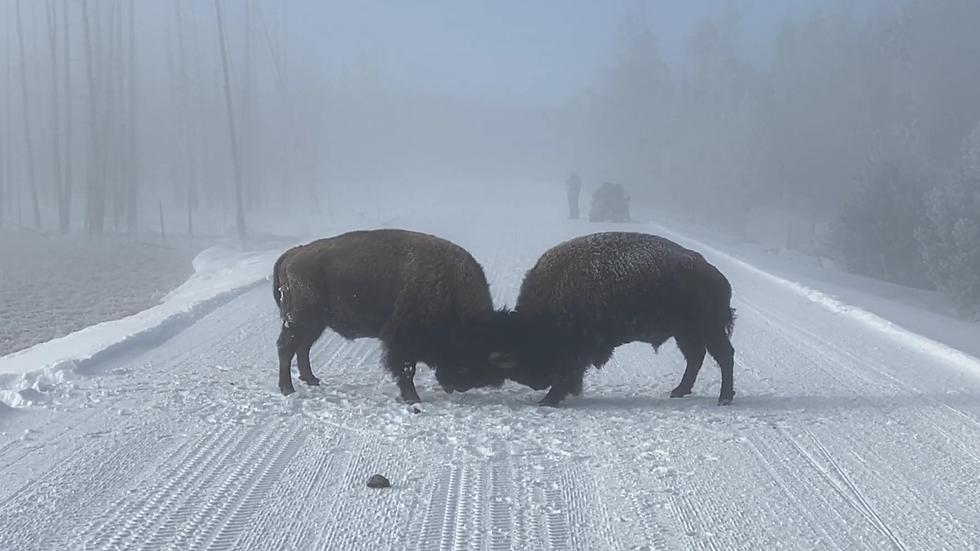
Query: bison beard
{"type": "Point", "coordinates": [425, 298]}
{"type": "Point", "coordinates": [589, 295]}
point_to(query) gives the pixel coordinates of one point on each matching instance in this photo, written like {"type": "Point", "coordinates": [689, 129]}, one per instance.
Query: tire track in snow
{"type": "Point", "coordinates": [152, 515]}
{"type": "Point", "coordinates": [549, 520]}
{"type": "Point", "coordinates": [556, 525]}
{"type": "Point", "coordinates": [223, 514]}
{"type": "Point", "coordinates": [452, 511]}
{"type": "Point", "coordinates": [876, 378]}
{"type": "Point", "coordinates": [308, 482]}
{"type": "Point", "coordinates": [899, 490]}
{"type": "Point", "coordinates": [74, 490]}
{"type": "Point", "coordinates": [940, 503]}
{"type": "Point", "coordinates": [206, 496]}
{"type": "Point", "coordinates": [344, 526]}
{"type": "Point", "coordinates": [831, 470]}
{"type": "Point", "coordinates": [791, 486]}
{"type": "Point", "coordinates": [525, 523]}
{"type": "Point", "coordinates": [930, 418]}
{"type": "Point", "coordinates": [578, 502]}
{"type": "Point", "coordinates": [836, 355]}
{"type": "Point", "coordinates": [690, 515]}
{"type": "Point", "coordinates": [250, 496]}
{"type": "Point", "coordinates": [501, 507]}
{"type": "Point", "coordinates": [588, 508]}
{"type": "Point", "coordinates": [654, 530]}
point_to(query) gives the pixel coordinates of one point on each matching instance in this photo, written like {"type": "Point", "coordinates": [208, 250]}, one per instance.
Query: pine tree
{"type": "Point", "coordinates": [949, 237]}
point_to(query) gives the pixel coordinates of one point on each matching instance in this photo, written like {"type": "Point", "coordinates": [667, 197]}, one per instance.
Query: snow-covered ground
{"type": "Point", "coordinates": [219, 274]}
{"type": "Point", "coordinates": [52, 285]}
{"type": "Point", "coordinates": [844, 435]}
{"type": "Point", "coordinates": [922, 312]}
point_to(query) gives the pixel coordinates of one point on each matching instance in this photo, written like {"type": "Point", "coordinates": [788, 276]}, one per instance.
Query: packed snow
{"type": "Point", "coordinates": [841, 436]}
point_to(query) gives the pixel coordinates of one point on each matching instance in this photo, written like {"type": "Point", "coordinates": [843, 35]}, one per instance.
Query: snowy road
{"type": "Point", "coordinates": [841, 437]}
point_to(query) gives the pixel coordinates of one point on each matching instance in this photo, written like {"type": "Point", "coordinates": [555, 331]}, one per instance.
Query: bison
{"type": "Point", "coordinates": [425, 298]}
{"type": "Point", "coordinates": [589, 295]}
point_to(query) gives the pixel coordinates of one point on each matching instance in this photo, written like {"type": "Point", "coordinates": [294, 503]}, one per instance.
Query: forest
{"type": "Point", "coordinates": [858, 138]}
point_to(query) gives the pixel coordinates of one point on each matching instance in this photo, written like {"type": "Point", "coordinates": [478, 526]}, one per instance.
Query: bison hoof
{"type": "Point", "coordinates": [726, 400]}
{"type": "Point", "coordinates": [286, 389]}
{"type": "Point", "coordinates": [679, 392]}
{"type": "Point", "coordinates": [312, 381]}
{"type": "Point", "coordinates": [415, 408]}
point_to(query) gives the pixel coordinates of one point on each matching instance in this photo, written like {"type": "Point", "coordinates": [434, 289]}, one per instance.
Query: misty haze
{"type": "Point", "coordinates": [632, 274]}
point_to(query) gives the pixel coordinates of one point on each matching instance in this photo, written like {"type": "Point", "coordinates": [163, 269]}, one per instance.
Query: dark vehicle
{"type": "Point", "coordinates": [610, 204]}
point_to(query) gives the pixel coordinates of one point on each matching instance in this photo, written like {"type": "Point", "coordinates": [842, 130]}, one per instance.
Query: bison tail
{"type": "Point", "coordinates": [276, 288]}
{"type": "Point", "coordinates": [730, 322]}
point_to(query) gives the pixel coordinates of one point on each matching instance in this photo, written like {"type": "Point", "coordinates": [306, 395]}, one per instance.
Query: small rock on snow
{"type": "Point", "coordinates": [378, 481]}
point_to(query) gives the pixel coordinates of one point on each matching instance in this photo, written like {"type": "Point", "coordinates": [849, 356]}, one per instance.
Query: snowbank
{"type": "Point", "coordinates": [219, 275]}
{"type": "Point", "coordinates": [54, 285]}
{"type": "Point", "coordinates": [881, 306]}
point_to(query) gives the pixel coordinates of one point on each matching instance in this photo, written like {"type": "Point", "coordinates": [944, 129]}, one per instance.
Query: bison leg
{"type": "Point", "coordinates": [693, 352]}
{"type": "Point", "coordinates": [287, 346]}
{"type": "Point", "coordinates": [303, 362]}
{"type": "Point", "coordinates": [406, 384]}
{"type": "Point", "coordinates": [720, 348]}
{"type": "Point", "coordinates": [403, 371]}
{"type": "Point", "coordinates": [568, 383]}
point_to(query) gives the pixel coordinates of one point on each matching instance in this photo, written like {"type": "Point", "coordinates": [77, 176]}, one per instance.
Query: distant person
{"type": "Point", "coordinates": [574, 185]}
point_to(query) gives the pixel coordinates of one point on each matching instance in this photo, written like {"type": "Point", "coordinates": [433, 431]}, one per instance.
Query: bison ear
{"type": "Point", "coordinates": [502, 360]}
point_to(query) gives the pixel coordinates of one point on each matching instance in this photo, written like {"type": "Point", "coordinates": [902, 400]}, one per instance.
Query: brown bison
{"type": "Point", "coordinates": [425, 298]}
{"type": "Point", "coordinates": [589, 295]}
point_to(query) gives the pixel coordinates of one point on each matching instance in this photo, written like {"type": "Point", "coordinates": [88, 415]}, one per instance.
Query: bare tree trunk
{"type": "Point", "coordinates": [278, 53]}
{"type": "Point", "coordinates": [55, 119]}
{"type": "Point", "coordinates": [95, 208]}
{"type": "Point", "coordinates": [116, 122]}
{"type": "Point", "coordinates": [20, 211]}
{"type": "Point", "coordinates": [66, 198]}
{"type": "Point", "coordinates": [32, 180]}
{"type": "Point", "coordinates": [239, 211]}
{"type": "Point", "coordinates": [132, 184]}
{"type": "Point", "coordinates": [200, 144]}
{"type": "Point", "coordinates": [13, 190]}
{"type": "Point", "coordinates": [246, 112]}
{"type": "Point", "coordinates": [185, 137]}
{"type": "Point", "coordinates": [163, 228]}
{"type": "Point", "coordinates": [5, 195]}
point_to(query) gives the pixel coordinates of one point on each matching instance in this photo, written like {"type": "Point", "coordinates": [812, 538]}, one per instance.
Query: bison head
{"type": "Point", "coordinates": [521, 352]}
{"type": "Point", "coordinates": [522, 368]}
{"type": "Point", "coordinates": [462, 378]}
{"type": "Point", "coordinates": [478, 360]}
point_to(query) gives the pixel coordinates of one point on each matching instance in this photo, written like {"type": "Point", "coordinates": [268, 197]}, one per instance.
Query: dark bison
{"type": "Point", "coordinates": [425, 298]}
{"type": "Point", "coordinates": [587, 296]}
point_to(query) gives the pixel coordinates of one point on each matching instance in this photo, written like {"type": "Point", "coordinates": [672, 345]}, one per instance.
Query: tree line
{"type": "Point", "coordinates": [114, 111]}
{"type": "Point", "coordinates": [866, 127]}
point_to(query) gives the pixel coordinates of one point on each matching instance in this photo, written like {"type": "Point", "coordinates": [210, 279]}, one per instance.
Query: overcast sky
{"type": "Point", "coordinates": [543, 51]}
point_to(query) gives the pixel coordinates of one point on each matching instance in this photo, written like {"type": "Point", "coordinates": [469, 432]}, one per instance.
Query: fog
{"type": "Point", "coordinates": [845, 130]}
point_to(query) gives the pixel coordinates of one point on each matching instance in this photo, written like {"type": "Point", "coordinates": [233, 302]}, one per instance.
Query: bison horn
{"type": "Point", "coordinates": [502, 360]}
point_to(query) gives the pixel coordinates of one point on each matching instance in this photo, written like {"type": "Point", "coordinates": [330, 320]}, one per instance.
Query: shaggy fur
{"type": "Point", "coordinates": [425, 298]}
{"type": "Point", "coordinates": [589, 295]}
